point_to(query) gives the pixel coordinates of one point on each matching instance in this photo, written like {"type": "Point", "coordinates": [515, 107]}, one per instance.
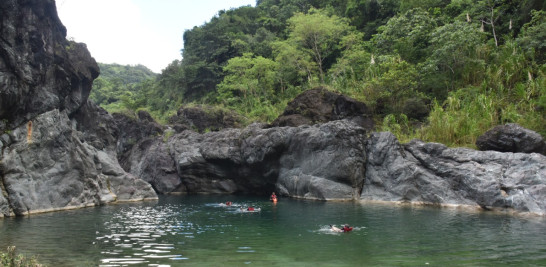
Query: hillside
{"type": "Point", "coordinates": [443, 71]}
{"type": "Point", "coordinates": [117, 84]}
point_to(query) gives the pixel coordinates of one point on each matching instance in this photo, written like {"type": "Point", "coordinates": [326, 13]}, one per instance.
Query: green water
{"type": "Point", "coordinates": [197, 231]}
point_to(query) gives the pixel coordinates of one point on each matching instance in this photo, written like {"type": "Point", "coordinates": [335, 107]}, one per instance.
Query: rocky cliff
{"type": "Point", "coordinates": [57, 151]}
{"type": "Point", "coordinates": [340, 160]}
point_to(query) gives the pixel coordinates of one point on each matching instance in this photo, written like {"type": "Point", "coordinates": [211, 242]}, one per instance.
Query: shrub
{"type": "Point", "coordinates": [10, 259]}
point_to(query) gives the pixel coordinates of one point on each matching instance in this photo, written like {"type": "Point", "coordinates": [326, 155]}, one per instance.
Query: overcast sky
{"type": "Point", "coordinates": [147, 32]}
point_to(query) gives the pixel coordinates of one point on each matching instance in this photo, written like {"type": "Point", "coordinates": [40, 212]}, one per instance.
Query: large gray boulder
{"type": "Point", "coordinates": [338, 161]}
{"type": "Point", "coordinates": [512, 137]}
{"type": "Point", "coordinates": [431, 173]}
{"type": "Point", "coordinates": [319, 105]}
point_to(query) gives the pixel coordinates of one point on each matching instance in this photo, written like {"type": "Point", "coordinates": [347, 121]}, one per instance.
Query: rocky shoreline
{"type": "Point", "coordinates": [60, 151]}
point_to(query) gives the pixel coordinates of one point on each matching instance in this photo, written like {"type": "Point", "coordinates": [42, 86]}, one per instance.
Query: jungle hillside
{"type": "Point", "coordinates": [438, 70]}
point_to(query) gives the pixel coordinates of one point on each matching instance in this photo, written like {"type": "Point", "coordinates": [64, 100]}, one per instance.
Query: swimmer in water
{"type": "Point", "coordinates": [346, 228]}
{"type": "Point", "coordinates": [333, 228]}
{"type": "Point", "coordinates": [273, 197]}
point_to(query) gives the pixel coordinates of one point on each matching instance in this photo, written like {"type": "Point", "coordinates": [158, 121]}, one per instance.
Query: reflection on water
{"type": "Point", "coordinates": [204, 231]}
{"type": "Point", "coordinates": [134, 235]}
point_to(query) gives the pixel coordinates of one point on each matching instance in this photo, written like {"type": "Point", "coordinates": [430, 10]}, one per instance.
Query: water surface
{"type": "Point", "coordinates": [199, 231]}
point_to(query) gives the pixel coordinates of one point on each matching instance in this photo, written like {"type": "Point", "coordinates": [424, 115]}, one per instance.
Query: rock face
{"type": "Point", "coordinates": [39, 69]}
{"type": "Point", "coordinates": [204, 118]}
{"type": "Point", "coordinates": [57, 151]}
{"type": "Point", "coordinates": [296, 161]}
{"type": "Point", "coordinates": [320, 105]}
{"type": "Point", "coordinates": [512, 138]}
{"type": "Point", "coordinates": [433, 174]}
{"type": "Point", "coordinates": [316, 162]}
{"type": "Point", "coordinates": [337, 161]}
{"type": "Point", "coordinates": [47, 165]}
{"type": "Point", "coordinates": [133, 131]}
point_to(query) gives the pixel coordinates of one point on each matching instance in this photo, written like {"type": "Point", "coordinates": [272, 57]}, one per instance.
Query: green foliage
{"type": "Point", "coordinates": [117, 82]}
{"type": "Point", "coordinates": [318, 35]}
{"type": "Point", "coordinates": [247, 77]}
{"type": "Point", "coordinates": [533, 36]}
{"type": "Point", "coordinates": [454, 57]}
{"type": "Point", "coordinates": [397, 81]}
{"type": "Point", "coordinates": [466, 115]}
{"type": "Point", "coordinates": [11, 259]}
{"type": "Point", "coordinates": [368, 15]}
{"type": "Point", "coordinates": [126, 73]}
{"type": "Point", "coordinates": [249, 87]}
{"type": "Point", "coordinates": [407, 35]}
{"type": "Point", "coordinates": [471, 64]}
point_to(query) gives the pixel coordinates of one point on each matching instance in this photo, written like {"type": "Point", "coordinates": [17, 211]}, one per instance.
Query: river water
{"type": "Point", "coordinates": [199, 231]}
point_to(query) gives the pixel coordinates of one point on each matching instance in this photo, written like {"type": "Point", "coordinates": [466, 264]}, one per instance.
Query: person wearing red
{"type": "Point", "coordinates": [347, 228]}
{"type": "Point", "coordinates": [273, 197]}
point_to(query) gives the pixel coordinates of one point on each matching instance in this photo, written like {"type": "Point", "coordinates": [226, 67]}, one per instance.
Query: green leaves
{"type": "Point", "coordinates": [533, 36]}
{"type": "Point", "coordinates": [318, 35]}
{"type": "Point", "coordinates": [403, 58]}
{"type": "Point", "coordinates": [407, 35]}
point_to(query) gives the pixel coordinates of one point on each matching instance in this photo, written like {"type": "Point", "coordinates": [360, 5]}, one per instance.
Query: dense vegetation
{"type": "Point", "coordinates": [11, 259]}
{"type": "Point", "coordinates": [438, 70]}
{"type": "Point", "coordinates": [117, 86]}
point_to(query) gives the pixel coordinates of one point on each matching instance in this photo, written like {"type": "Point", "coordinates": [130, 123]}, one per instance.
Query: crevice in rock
{"type": "Point", "coordinates": [4, 192]}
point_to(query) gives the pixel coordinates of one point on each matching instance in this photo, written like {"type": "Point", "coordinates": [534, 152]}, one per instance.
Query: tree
{"type": "Point", "coordinates": [319, 35]}
{"type": "Point", "coordinates": [396, 82]}
{"type": "Point", "coordinates": [533, 36]}
{"type": "Point", "coordinates": [295, 66]}
{"type": "Point", "coordinates": [354, 61]}
{"type": "Point", "coordinates": [368, 15]}
{"type": "Point", "coordinates": [407, 35]}
{"type": "Point", "coordinates": [247, 77]}
{"type": "Point", "coordinates": [454, 50]}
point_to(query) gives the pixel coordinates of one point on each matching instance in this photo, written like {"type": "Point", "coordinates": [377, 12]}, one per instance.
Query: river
{"type": "Point", "coordinates": [199, 231]}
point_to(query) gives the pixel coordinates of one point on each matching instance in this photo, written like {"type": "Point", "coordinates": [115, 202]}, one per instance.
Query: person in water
{"type": "Point", "coordinates": [229, 203]}
{"type": "Point", "coordinates": [346, 228]}
{"type": "Point", "coordinates": [250, 209]}
{"type": "Point", "coordinates": [333, 228]}
{"type": "Point", "coordinates": [273, 197]}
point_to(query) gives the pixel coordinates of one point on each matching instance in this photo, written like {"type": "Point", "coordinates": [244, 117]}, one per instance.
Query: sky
{"type": "Point", "coordinates": [131, 32]}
